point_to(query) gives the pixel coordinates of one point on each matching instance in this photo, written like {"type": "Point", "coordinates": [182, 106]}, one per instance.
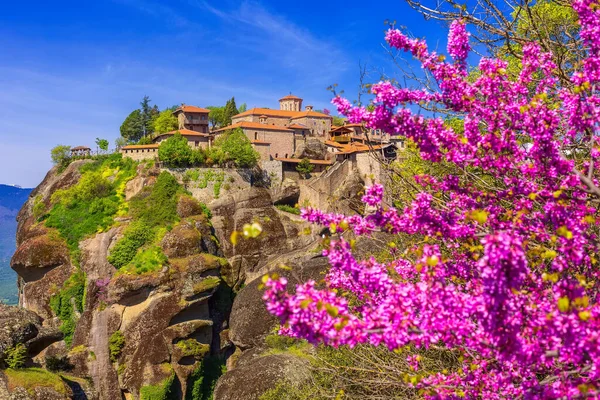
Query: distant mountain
{"type": "Point", "coordinates": [11, 200]}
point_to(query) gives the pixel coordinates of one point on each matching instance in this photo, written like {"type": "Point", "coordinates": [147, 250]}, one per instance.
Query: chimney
{"type": "Point", "coordinates": [309, 108]}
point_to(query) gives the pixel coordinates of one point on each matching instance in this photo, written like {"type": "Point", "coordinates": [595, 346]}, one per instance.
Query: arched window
{"type": "Point", "coordinates": [255, 135]}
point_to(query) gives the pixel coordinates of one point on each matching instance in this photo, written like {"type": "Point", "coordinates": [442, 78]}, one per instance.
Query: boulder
{"type": "Point", "coordinates": [313, 149]}
{"type": "Point", "coordinates": [182, 241]}
{"type": "Point", "coordinates": [288, 192]}
{"type": "Point", "coordinates": [250, 322]}
{"type": "Point", "coordinates": [279, 236]}
{"type": "Point", "coordinates": [188, 206]}
{"type": "Point", "coordinates": [18, 325]}
{"type": "Point", "coordinates": [35, 256]}
{"type": "Point", "coordinates": [250, 380]}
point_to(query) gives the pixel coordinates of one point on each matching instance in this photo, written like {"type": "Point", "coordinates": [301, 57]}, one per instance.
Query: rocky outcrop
{"type": "Point", "coordinates": [281, 235]}
{"type": "Point", "coordinates": [250, 322]}
{"type": "Point", "coordinates": [288, 193]}
{"type": "Point", "coordinates": [21, 326]}
{"type": "Point", "coordinates": [250, 380]}
{"type": "Point", "coordinates": [313, 149]}
{"type": "Point", "coordinates": [146, 326]}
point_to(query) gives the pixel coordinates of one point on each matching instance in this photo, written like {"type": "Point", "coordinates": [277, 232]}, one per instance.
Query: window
{"type": "Point", "coordinates": [197, 143]}
{"type": "Point", "coordinates": [255, 135]}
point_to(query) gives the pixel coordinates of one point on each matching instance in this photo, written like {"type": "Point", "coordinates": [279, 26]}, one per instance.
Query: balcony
{"type": "Point", "coordinates": [341, 139]}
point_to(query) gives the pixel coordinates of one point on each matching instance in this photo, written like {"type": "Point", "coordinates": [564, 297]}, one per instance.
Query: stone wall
{"type": "Point", "coordinates": [317, 191]}
{"type": "Point", "coordinates": [194, 141]}
{"type": "Point", "coordinates": [140, 154]}
{"type": "Point", "coordinates": [368, 167]}
{"type": "Point", "coordinates": [274, 170]}
{"type": "Point", "coordinates": [282, 142]}
{"type": "Point", "coordinates": [318, 126]}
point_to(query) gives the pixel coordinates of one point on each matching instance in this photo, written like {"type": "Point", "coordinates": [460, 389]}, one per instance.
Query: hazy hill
{"type": "Point", "coordinates": [11, 200]}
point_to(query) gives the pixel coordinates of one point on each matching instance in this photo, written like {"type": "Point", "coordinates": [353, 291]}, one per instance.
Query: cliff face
{"type": "Point", "coordinates": [137, 280]}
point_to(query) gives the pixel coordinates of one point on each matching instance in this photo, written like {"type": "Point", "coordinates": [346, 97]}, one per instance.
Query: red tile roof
{"type": "Point", "coordinates": [297, 160]}
{"type": "Point", "coordinates": [314, 114]}
{"type": "Point", "coordinates": [254, 125]}
{"type": "Point", "coordinates": [195, 109]}
{"type": "Point", "coordinates": [140, 146]}
{"type": "Point", "coordinates": [280, 113]}
{"type": "Point", "coordinates": [297, 126]}
{"type": "Point", "coordinates": [78, 148]}
{"type": "Point", "coordinates": [290, 97]}
{"type": "Point", "coordinates": [334, 144]}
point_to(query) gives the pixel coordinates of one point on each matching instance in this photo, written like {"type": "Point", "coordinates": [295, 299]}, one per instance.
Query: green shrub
{"type": "Point", "coordinates": [16, 356]}
{"type": "Point", "coordinates": [157, 206]}
{"type": "Point", "coordinates": [234, 147]}
{"type": "Point", "coordinates": [193, 174]}
{"type": "Point", "coordinates": [175, 151]}
{"type": "Point", "coordinates": [202, 381]}
{"type": "Point", "coordinates": [147, 260]}
{"type": "Point", "coordinates": [39, 208]}
{"type": "Point", "coordinates": [134, 237]}
{"type": "Point", "coordinates": [304, 167]}
{"type": "Point", "coordinates": [115, 345]}
{"type": "Point", "coordinates": [290, 209]}
{"type": "Point", "coordinates": [161, 391]}
{"type": "Point", "coordinates": [61, 156]}
{"type": "Point", "coordinates": [62, 303]}
{"type": "Point", "coordinates": [191, 347]}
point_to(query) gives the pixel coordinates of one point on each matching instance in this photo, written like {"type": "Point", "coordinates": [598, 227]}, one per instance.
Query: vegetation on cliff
{"type": "Point", "coordinates": [115, 345]}
{"type": "Point", "coordinates": [91, 205]}
{"type": "Point", "coordinates": [204, 378]}
{"type": "Point", "coordinates": [154, 211]}
{"type": "Point", "coordinates": [67, 302]}
{"type": "Point", "coordinates": [160, 391]}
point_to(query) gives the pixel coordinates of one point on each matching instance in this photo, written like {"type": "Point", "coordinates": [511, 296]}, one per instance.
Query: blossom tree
{"type": "Point", "coordinates": [505, 269]}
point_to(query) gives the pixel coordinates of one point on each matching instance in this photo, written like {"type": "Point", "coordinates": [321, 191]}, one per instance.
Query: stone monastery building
{"type": "Point", "coordinates": [276, 134]}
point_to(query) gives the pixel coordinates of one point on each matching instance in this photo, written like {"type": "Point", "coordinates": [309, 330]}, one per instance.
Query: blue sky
{"type": "Point", "coordinates": [71, 71]}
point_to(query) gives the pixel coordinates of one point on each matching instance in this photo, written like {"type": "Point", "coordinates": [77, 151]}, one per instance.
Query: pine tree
{"type": "Point", "coordinates": [230, 111]}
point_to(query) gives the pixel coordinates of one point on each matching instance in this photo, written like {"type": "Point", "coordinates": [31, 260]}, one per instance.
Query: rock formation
{"type": "Point", "coordinates": [166, 329]}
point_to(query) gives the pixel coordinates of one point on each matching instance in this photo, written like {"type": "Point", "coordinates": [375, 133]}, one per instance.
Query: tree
{"type": "Point", "coordinates": [504, 30]}
{"type": "Point", "coordinates": [102, 144]}
{"type": "Point", "coordinates": [147, 115]}
{"type": "Point", "coordinates": [229, 111]}
{"type": "Point", "coordinates": [497, 267]}
{"type": "Point", "coordinates": [120, 142]}
{"type": "Point", "coordinates": [132, 128]}
{"type": "Point", "coordinates": [215, 116]}
{"type": "Point", "coordinates": [165, 122]}
{"type": "Point", "coordinates": [61, 155]}
{"type": "Point", "coordinates": [338, 121]}
{"type": "Point", "coordinates": [304, 167]}
{"type": "Point", "coordinates": [233, 146]}
{"type": "Point", "coordinates": [175, 151]}
{"type": "Point", "coordinates": [242, 108]}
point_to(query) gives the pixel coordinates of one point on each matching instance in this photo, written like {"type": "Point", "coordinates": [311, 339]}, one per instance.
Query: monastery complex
{"type": "Point", "coordinates": [277, 135]}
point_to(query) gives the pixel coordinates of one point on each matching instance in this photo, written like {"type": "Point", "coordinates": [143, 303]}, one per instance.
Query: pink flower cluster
{"type": "Point", "coordinates": [507, 271]}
